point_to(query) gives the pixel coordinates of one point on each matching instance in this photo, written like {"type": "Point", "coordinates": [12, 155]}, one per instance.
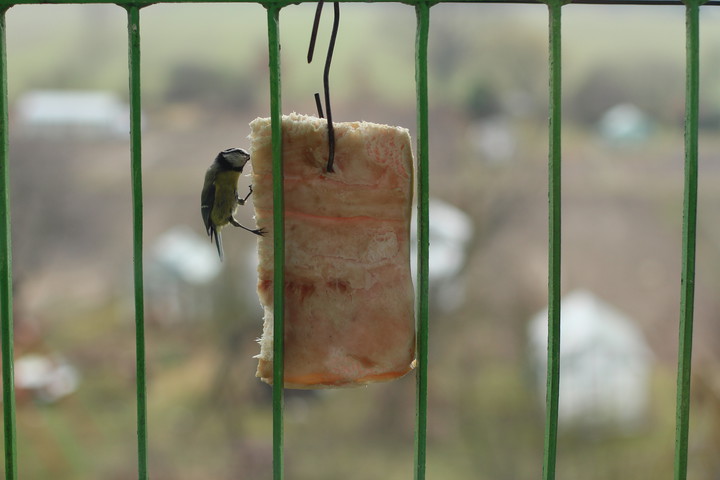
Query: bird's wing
{"type": "Point", "coordinates": [207, 199]}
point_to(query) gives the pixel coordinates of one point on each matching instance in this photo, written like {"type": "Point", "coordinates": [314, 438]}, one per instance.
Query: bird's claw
{"type": "Point", "coordinates": [256, 231]}
{"type": "Point", "coordinates": [241, 201]}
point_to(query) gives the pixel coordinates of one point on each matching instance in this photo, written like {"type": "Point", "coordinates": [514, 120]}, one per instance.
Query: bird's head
{"type": "Point", "coordinates": [235, 158]}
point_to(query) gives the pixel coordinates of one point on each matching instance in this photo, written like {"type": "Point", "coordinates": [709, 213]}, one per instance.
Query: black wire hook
{"type": "Point", "coordinates": [326, 74]}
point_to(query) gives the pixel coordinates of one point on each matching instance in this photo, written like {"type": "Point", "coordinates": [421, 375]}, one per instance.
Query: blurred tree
{"type": "Point", "coordinates": [654, 85]}
{"type": "Point", "coordinates": [482, 100]}
{"type": "Point", "coordinates": [210, 86]}
{"type": "Point", "coordinates": [448, 51]}
{"type": "Point", "coordinates": [40, 209]}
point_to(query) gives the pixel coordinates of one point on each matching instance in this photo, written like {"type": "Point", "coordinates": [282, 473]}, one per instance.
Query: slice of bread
{"type": "Point", "coordinates": [349, 298]}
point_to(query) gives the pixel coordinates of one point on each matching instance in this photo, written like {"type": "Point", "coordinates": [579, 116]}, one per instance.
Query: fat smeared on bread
{"type": "Point", "coordinates": [349, 298]}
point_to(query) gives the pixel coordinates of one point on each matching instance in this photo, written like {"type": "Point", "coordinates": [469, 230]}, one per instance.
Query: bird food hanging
{"type": "Point", "coordinates": [349, 298]}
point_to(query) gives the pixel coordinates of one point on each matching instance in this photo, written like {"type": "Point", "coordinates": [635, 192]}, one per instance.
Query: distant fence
{"type": "Point", "coordinates": [423, 9]}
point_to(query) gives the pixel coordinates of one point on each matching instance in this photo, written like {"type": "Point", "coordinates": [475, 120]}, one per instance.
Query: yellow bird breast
{"type": "Point", "coordinates": [225, 198]}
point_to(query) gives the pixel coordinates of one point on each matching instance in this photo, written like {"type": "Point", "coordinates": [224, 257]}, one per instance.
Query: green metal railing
{"type": "Point", "coordinates": [423, 9]}
{"type": "Point", "coordinates": [555, 213]}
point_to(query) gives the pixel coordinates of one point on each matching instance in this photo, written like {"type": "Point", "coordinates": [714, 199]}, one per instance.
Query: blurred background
{"type": "Point", "coordinates": [205, 73]}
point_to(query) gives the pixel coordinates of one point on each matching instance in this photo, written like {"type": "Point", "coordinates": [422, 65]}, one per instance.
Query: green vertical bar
{"type": "Point", "coordinates": [6, 305]}
{"type": "Point", "coordinates": [687, 294]}
{"type": "Point", "coordinates": [423, 222]}
{"type": "Point", "coordinates": [554, 247]}
{"type": "Point", "coordinates": [137, 206]}
{"type": "Point", "coordinates": [273, 16]}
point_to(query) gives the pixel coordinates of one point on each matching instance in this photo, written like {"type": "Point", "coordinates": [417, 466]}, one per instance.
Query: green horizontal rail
{"type": "Point", "coordinates": [286, 3]}
{"type": "Point", "coordinates": [423, 9]}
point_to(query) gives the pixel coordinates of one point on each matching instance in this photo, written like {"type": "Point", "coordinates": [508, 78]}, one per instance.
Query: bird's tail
{"type": "Point", "coordinates": [218, 241]}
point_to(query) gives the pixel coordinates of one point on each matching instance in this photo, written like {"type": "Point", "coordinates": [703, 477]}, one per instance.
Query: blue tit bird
{"type": "Point", "coordinates": [219, 198]}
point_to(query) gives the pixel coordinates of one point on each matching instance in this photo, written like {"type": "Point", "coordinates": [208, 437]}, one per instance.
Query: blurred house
{"type": "Point", "coordinates": [493, 139]}
{"type": "Point", "coordinates": [70, 113]}
{"type": "Point", "coordinates": [180, 263]}
{"type": "Point", "coordinates": [625, 124]}
{"type": "Point", "coordinates": [451, 231]}
{"type": "Point", "coordinates": [44, 378]}
{"type": "Point", "coordinates": [605, 365]}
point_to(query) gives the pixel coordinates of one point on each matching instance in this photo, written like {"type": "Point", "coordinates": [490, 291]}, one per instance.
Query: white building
{"type": "Point", "coordinates": [605, 364]}
{"type": "Point", "coordinates": [451, 231]}
{"type": "Point", "coordinates": [625, 124]}
{"type": "Point", "coordinates": [74, 113]}
{"type": "Point", "coordinates": [178, 277]}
